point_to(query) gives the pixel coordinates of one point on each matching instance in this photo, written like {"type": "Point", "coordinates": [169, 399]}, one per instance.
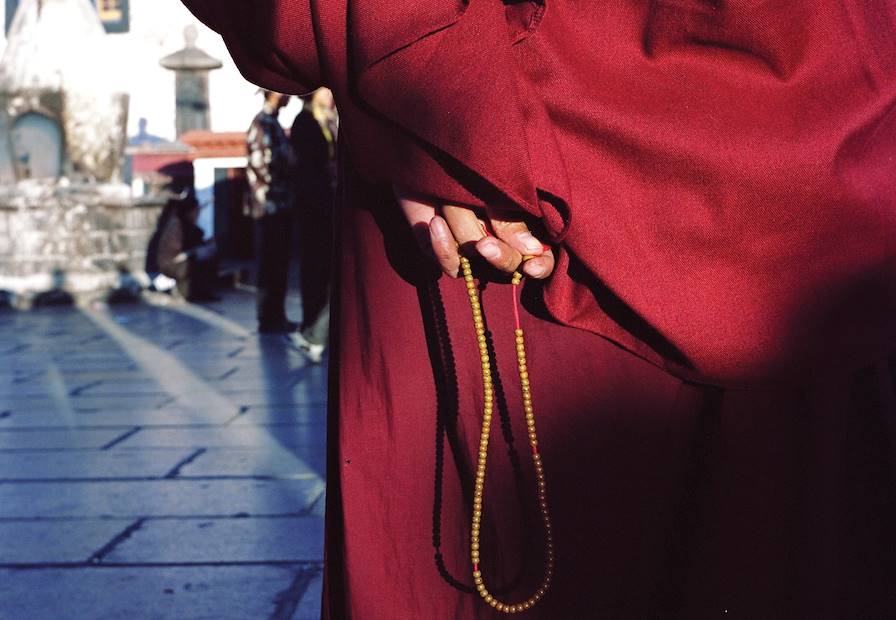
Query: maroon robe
{"type": "Point", "coordinates": [712, 362]}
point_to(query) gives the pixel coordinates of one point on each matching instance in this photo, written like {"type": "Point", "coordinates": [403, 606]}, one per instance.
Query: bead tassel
{"type": "Point", "coordinates": [487, 410]}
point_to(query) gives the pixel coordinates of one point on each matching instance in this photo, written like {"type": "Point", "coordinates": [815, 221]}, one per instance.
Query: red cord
{"type": "Point", "coordinates": [516, 309]}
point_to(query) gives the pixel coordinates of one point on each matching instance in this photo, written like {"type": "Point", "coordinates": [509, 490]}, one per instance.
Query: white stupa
{"type": "Point", "coordinates": [55, 76]}
{"type": "Point", "coordinates": [69, 226]}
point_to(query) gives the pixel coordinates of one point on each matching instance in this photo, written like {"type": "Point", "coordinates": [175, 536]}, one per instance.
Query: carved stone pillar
{"type": "Point", "coordinates": [191, 67]}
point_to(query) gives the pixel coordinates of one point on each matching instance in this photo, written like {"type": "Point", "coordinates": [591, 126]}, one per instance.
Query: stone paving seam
{"type": "Point", "coordinates": [110, 546]}
{"type": "Point", "coordinates": [287, 601]}
{"type": "Point", "coordinates": [122, 438]}
{"type": "Point", "coordinates": [175, 471]}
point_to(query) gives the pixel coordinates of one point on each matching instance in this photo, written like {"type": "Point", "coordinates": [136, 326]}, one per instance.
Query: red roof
{"type": "Point", "coordinates": [215, 144]}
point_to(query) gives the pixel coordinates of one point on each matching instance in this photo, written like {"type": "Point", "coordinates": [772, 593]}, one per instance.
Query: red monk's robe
{"type": "Point", "coordinates": [712, 362]}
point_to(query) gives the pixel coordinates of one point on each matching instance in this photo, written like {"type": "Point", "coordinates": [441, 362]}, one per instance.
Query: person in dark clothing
{"type": "Point", "coordinates": [179, 251]}
{"type": "Point", "coordinates": [271, 199]}
{"type": "Point", "coordinates": [313, 141]}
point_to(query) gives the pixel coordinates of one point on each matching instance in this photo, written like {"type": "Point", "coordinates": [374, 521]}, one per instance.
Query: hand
{"type": "Point", "coordinates": [446, 231]}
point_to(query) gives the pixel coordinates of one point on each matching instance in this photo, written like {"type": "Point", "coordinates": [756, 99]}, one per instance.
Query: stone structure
{"type": "Point", "coordinates": [191, 67]}
{"type": "Point", "coordinates": [54, 89]}
{"type": "Point", "coordinates": [66, 219]}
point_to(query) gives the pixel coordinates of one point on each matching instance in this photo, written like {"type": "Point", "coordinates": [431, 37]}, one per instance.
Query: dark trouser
{"type": "Point", "coordinates": [315, 250]}
{"type": "Point", "coordinates": [200, 278]}
{"type": "Point", "coordinates": [272, 252]}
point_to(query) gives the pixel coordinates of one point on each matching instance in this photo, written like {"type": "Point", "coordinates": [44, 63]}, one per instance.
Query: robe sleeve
{"type": "Point", "coordinates": [272, 41]}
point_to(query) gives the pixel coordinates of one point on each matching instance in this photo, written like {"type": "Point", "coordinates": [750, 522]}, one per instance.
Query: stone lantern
{"type": "Point", "coordinates": [191, 67]}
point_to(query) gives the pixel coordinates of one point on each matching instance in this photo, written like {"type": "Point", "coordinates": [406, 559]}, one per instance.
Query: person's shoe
{"type": "Point", "coordinates": [314, 352]}
{"type": "Point", "coordinates": [280, 327]}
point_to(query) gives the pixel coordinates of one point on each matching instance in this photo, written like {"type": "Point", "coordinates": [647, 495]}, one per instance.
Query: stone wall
{"type": "Point", "coordinates": [78, 238]}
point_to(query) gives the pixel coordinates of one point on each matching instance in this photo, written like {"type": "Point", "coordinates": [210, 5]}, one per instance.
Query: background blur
{"type": "Point", "coordinates": [159, 458]}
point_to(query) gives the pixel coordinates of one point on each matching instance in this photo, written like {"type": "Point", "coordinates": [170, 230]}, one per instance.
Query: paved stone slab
{"type": "Point", "coordinates": [119, 388]}
{"type": "Point", "coordinates": [223, 541]}
{"type": "Point", "coordinates": [91, 464]}
{"type": "Point", "coordinates": [56, 439]}
{"type": "Point", "coordinates": [228, 437]}
{"type": "Point", "coordinates": [274, 462]}
{"type": "Point", "coordinates": [146, 593]}
{"type": "Point", "coordinates": [65, 403]}
{"type": "Point", "coordinates": [177, 378]}
{"type": "Point", "coordinates": [187, 498]}
{"type": "Point", "coordinates": [301, 394]}
{"type": "Point", "coordinates": [124, 418]}
{"type": "Point", "coordinates": [44, 542]}
{"type": "Point", "coordinates": [289, 414]}
{"type": "Point", "coordinates": [309, 606]}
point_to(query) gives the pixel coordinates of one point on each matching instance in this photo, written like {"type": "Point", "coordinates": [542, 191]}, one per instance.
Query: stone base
{"type": "Point", "coordinates": [85, 240]}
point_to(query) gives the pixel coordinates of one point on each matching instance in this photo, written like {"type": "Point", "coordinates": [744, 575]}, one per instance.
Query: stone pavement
{"type": "Point", "coordinates": [158, 462]}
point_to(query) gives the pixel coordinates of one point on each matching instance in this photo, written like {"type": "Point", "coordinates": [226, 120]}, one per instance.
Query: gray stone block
{"type": "Point", "coordinates": [48, 542]}
{"type": "Point", "coordinates": [315, 414]}
{"type": "Point", "coordinates": [274, 462]}
{"type": "Point", "coordinates": [134, 499]}
{"type": "Point", "coordinates": [309, 605]}
{"type": "Point", "coordinates": [42, 439]}
{"type": "Point", "coordinates": [145, 593]}
{"type": "Point", "coordinates": [92, 464]}
{"type": "Point", "coordinates": [263, 540]}
{"type": "Point", "coordinates": [230, 437]}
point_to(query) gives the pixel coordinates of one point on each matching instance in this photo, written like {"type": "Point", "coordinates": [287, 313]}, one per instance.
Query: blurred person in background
{"type": "Point", "coordinates": [313, 137]}
{"type": "Point", "coordinates": [181, 253]}
{"type": "Point", "coordinates": [271, 201]}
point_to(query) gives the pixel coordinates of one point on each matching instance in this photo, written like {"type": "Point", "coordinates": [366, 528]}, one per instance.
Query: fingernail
{"type": "Point", "coordinates": [435, 225]}
{"type": "Point", "coordinates": [536, 270]}
{"type": "Point", "coordinates": [531, 244]}
{"type": "Point", "coordinates": [489, 249]}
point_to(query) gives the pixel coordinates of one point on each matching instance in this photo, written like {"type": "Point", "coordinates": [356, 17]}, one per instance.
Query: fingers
{"type": "Point", "coordinates": [444, 246]}
{"type": "Point", "coordinates": [471, 236]}
{"type": "Point", "coordinates": [418, 215]}
{"type": "Point", "coordinates": [517, 235]}
{"type": "Point", "coordinates": [458, 229]}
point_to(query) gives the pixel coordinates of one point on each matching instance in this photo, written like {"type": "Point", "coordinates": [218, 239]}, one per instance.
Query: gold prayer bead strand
{"type": "Point", "coordinates": [479, 489]}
